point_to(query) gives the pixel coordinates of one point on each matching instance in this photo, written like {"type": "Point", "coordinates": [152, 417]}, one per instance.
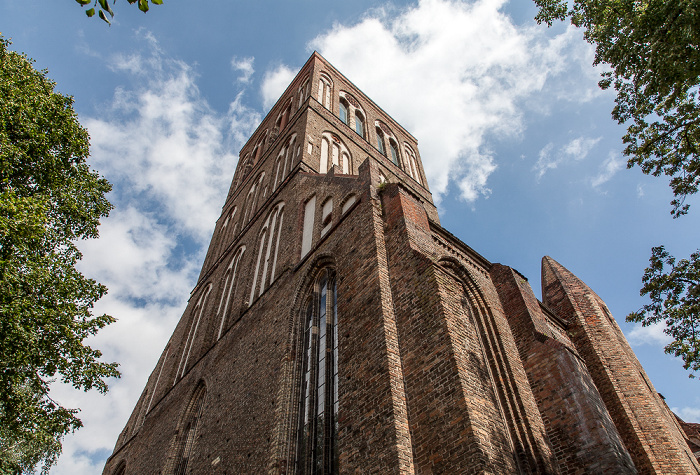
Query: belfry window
{"type": "Point", "coordinates": [359, 124]}
{"type": "Point", "coordinates": [324, 91]}
{"type": "Point", "coordinates": [380, 142]}
{"type": "Point", "coordinates": [394, 152]}
{"type": "Point", "coordinates": [343, 111]}
{"type": "Point", "coordinates": [318, 409]}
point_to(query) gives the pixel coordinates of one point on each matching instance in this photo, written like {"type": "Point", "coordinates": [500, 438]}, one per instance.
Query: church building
{"type": "Point", "coordinates": [337, 327]}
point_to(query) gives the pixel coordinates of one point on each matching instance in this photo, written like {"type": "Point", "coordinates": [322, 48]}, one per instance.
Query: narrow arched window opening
{"type": "Point", "coordinates": [268, 248]}
{"type": "Point", "coordinates": [359, 124]}
{"type": "Point", "coordinates": [394, 152]}
{"type": "Point", "coordinates": [183, 446]}
{"type": "Point", "coordinates": [229, 290]}
{"type": "Point", "coordinates": [380, 142]}
{"type": "Point", "coordinates": [343, 111]}
{"type": "Point", "coordinates": [324, 91]}
{"type": "Point", "coordinates": [318, 403]}
{"type": "Point", "coordinates": [192, 334]}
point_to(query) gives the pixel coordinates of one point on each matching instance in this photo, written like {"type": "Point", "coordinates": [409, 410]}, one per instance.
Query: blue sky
{"type": "Point", "coordinates": [517, 141]}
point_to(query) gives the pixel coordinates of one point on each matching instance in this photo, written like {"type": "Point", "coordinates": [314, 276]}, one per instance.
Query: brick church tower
{"type": "Point", "coordinates": [336, 327]}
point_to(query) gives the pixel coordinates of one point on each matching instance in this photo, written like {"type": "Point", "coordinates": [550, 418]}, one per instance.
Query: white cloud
{"type": "Point", "coordinates": [688, 414]}
{"type": "Point", "coordinates": [453, 73]}
{"type": "Point", "coordinates": [650, 335]}
{"type": "Point", "coordinates": [608, 168]}
{"type": "Point", "coordinates": [245, 66]}
{"type": "Point", "coordinates": [169, 157]}
{"type": "Point", "coordinates": [274, 84]}
{"type": "Point", "coordinates": [577, 149]}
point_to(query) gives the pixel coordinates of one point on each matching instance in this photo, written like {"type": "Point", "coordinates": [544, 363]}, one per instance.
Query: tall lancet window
{"type": "Point", "coordinates": [192, 334]}
{"type": "Point", "coordinates": [229, 291]}
{"type": "Point", "coordinates": [380, 142]}
{"type": "Point", "coordinates": [268, 247]}
{"type": "Point", "coordinates": [183, 446]}
{"type": "Point", "coordinates": [324, 90]}
{"type": "Point", "coordinates": [317, 449]}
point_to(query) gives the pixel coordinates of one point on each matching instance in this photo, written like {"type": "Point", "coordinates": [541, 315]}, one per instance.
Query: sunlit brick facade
{"type": "Point", "coordinates": [336, 327]}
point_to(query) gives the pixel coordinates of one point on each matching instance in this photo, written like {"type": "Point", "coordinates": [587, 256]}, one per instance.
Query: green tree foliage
{"type": "Point", "coordinates": [102, 8]}
{"type": "Point", "coordinates": [675, 301]}
{"type": "Point", "coordinates": [49, 199]}
{"type": "Point", "coordinates": [652, 49]}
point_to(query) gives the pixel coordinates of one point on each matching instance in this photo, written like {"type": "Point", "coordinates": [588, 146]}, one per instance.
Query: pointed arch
{"type": "Point", "coordinates": [498, 365]}
{"type": "Point", "coordinates": [318, 396]}
{"type": "Point", "coordinates": [304, 91]}
{"type": "Point", "coordinates": [192, 334]}
{"type": "Point", "coordinates": [325, 90]}
{"type": "Point", "coordinates": [183, 444]}
{"type": "Point", "coordinates": [229, 289]}
{"type": "Point", "coordinates": [268, 248]}
{"type": "Point", "coordinates": [334, 153]}
{"type": "Point", "coordinates": [411, 163]}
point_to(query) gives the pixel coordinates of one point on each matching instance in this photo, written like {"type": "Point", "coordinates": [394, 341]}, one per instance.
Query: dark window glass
{"type": "Point", "coordinates": [343, 112]}
{"type": "Point", "coordinates": [380, 142]}
{"type": "Point", "coordinates": [394, 153]}
{"type": "Point", "coordinates": [359, 125]}
{"type": "Point", "coordinates": [319, 386]}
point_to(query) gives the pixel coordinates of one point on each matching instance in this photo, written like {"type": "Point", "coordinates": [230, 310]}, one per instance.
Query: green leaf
{"type": "Point", "coordinates": [90, 12]}
{"type": "Point", "coordinates": [143, 5]}
{"type": "Point", "coordinates": [157, 2]}
{"type": "Point", "coordinates": [51, 200]}
{"type": "Point", "coordinates": [83, 2]}
{"type": "Point", "coordinates": [103, 16]}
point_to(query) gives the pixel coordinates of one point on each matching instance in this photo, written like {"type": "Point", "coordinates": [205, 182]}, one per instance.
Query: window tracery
{"type": "Point", "coordinates": [317, 446]}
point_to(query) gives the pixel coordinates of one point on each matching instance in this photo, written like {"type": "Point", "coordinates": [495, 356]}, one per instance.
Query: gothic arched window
{"type": "Point", "coordinates": [412, 163]}
{"type": "Point", "coordinates": [317, 447]}
{"type": "Point", "coordinates": [343, 111]}
{"type": "Point", "coordinates": [380, 141]}
{"type": "Point", "coordinates": [359, 124]}
{"type": "Point", "coordinates": [394, 152]}
{"type": "Point", "coordinates": [183, 446]}
{"type": "Point", "coordinates": [334, 152]}
{"type": "Point", "coordinates": [325, 88]}
{"type": "Point", "coordinates": [192, 334]}
{"type": "Point", "coordinates": [268, 247]}
{"type": "Point", "coordinates": [229, 290]}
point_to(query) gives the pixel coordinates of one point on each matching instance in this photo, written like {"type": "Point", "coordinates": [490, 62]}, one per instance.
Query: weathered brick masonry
{"type": "Point", "coordinates": [336, 327]}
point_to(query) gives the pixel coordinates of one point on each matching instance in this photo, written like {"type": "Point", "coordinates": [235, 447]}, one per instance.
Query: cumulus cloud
{"type": "Point", "coordinates": [650, 335]}
{"type": "Point", "coordinates": [274, 83]}
{"type": "Point", "coordinates": [613, 164]}
{"type": "Point", "coordinates": [455, 74]}
{"type": "Point", "coordinates": [549, 158]}
{"type": "Point", "coordinates": [170, 158]}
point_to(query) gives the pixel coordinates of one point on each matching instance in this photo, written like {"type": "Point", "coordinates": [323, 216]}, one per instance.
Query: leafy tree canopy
{"type": "Point", "coordinates": [102, 8]}
{"type": "Point", "coordinates": [652, 48]}
{"type": "Point", "coordinates": [49, 199]}
{"type": "Point", "coordinates": [674, 290]}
